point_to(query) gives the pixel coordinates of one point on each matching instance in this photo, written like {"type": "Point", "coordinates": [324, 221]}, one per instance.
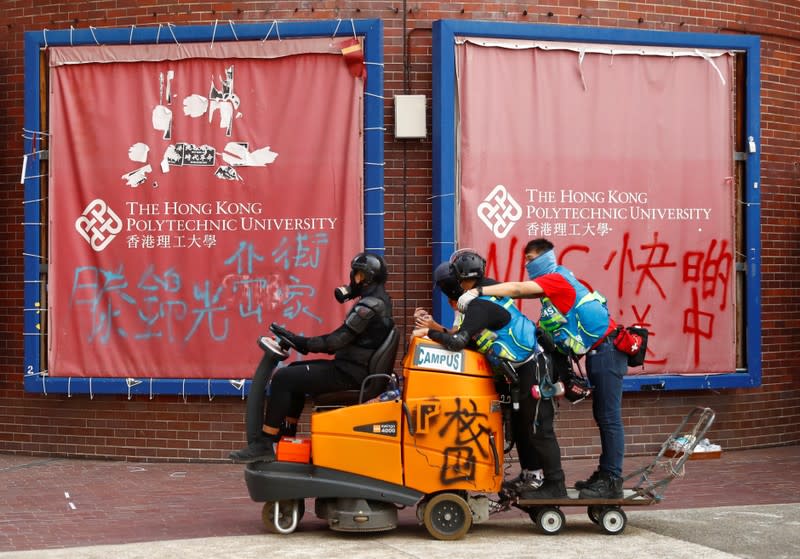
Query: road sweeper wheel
{"type": "Point", "coordinates": [447, 517]}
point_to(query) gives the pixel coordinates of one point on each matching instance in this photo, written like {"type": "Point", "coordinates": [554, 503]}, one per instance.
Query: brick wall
{"type": "Point", "coordinates": [171, 428]}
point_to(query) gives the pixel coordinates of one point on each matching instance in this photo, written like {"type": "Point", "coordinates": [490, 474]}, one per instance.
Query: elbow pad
{"type": "Point", "coordinates": [458, 341]}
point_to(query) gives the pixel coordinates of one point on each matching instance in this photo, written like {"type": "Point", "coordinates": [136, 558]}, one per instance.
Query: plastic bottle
{"type": "Point", "coordinates": [548, 390]}
{"type": "Point", "coordinates": [391, 394]}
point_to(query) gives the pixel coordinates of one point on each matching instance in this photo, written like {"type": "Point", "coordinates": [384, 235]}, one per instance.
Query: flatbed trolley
{"type": "Point", "coordinates": [650, 483]}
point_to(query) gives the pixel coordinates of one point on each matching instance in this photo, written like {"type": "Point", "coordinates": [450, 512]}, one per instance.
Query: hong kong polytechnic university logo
{"type": "Point", "coordinates": [499, 211]}
{"type": "Point", "coordinates": [98, 225]}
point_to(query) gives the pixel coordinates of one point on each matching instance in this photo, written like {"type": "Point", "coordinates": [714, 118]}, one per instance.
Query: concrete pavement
{"type": "Point", "coordinates": [753, 532]}
{"type": "Point", "coordinates": [745, 504]}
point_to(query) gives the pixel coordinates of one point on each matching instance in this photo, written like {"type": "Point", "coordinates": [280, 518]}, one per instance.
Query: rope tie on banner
{"type": "Point", "coordinates": [91, 392]}
{"type": "Point", "coordinates": [441, 195]}
{"type": "Point", "coordinates": [375, 249]}
{"type": "Point", "coordinates": [131, 382]}
{"type": "Point", "coordinates": [374, 63]}
{"type": "Point", "coordinates": [371, 163]}
{"type": "Point", "coordinates": [374, 188]}
{"type": "Point", "coordinates": [91, 30]}
{"type": "Point", "coordinates": [33, 134]}
{"type": "Point", "coordinates": [43, 375]}
{"type": "Point", "coordinates": [210, 396]}
{"type": "Point", "coordinates": [71, 29]}
{"type": "Point", "coordinates": [375, 213]}
{"type": "Point", "coordinates": [158, 33]}
{"type": "Point", "coordinates": [374, 95]}
{"type": "Point", "coordinates": [44, 33]}
{"type": "Point", "coordinates": [370, 128]}
{"type": "Point", "coordinates": [39, 256]}
{"type": "Point", "coordinates": [151, 388]}
{"type": "Point", "coordinates": [353, 25]}
{"type": "Point", "coordinates": [213, 34]}
{"type": "Point", "coordinates": [708, 59]}
{"type": "Point", "coordinates": [581, 54]}
{"type": "Point", "coordinates": [171, 32]}
{"type": "Point", "coordinates": [69, 387]}
{"type": "Point", "coordinates": [338, 23]}
{"type": "Point", "coordinates": [30, 202]}
{"type": "Point", "coordinates": [183, 390]}
{"type": "Point", "coordinates": [130, 37]}
{"type": "Point", "coordinates": [238, 385]}
{"type": "Point", "coordinates": [269, 31]}
{"type": "Point", "coordinates": [233, 29]}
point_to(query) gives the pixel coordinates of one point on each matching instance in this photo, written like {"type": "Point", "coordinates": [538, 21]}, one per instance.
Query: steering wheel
{"type": "Point", "coordinates": [270, 344]}
{"type": "Point", "coordinates": [283, 336]}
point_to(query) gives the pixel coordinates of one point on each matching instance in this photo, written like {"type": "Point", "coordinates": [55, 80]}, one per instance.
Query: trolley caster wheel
{"type": "Point", "coordinates": [447, 517]}
{"type": "Point", "coordinates": [593, 511]}
{"type": "Point", "coordinates": [550, 520]}
{"type": "Point", "coordinates": [533, 513]}
{"type": "Point", "coordinates": [612, 520]}
{"type": "Point", "coordinates": [282, 517]}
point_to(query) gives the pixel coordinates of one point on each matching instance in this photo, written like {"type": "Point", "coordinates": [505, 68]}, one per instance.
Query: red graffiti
{"type": "Point", "coordinates": [706, 274]}
{"type": "Point", "coordinates": [656, 259]}
{"type": "Point", "coordinates": [709, 271]}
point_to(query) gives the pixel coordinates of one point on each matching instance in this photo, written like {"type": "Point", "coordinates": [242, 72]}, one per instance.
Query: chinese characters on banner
{"type": "Point", "coordinates": [196, 196]}
{"type": "Point", "coordinates": [624, 161]}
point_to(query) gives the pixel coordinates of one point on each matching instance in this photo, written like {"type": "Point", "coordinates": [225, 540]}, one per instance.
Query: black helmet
{"type": "Point", "coordinates": [371, 265]}
{"type": "Point", "coordinates": [444, 279]}
{"type": "Point", "coordinates": [467, 264]}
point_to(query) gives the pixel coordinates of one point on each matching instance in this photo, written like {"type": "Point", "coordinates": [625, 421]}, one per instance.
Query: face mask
{"type": "Point", "coordinates": [543, 264]}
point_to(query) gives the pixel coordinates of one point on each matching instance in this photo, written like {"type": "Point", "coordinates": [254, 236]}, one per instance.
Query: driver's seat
{"type": "Point", "coordinates": [375, 383]}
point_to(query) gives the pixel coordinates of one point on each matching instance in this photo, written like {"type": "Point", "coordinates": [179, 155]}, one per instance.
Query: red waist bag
{"type": "Point", "coordinates": [632, 341]}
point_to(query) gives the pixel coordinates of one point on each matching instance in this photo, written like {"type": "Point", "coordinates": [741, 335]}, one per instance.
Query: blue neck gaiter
{"type": "Point", "coordinates": [543, 264]}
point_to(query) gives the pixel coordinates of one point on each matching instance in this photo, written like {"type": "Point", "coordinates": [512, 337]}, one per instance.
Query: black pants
{"type": "Point", "coordinates": [289, 386]}
{"type": "Point", "coordinates": [532, 425]}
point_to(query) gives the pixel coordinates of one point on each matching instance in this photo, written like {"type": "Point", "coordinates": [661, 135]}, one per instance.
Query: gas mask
{"type": "Point", "coordinates": [344, 293]}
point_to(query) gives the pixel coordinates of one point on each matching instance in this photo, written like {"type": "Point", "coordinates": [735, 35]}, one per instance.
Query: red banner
{"type": "Point", "coordinates": [624, 161]}
{"type": "Point", "coordinates": [196, 195]}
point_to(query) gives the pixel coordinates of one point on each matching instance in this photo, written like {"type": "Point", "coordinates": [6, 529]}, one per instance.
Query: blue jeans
{"type": "Point", "coordinates": [605, 367]}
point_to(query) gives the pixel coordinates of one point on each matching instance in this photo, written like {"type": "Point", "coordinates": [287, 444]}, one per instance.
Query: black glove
{"type": "Point", "coordinates": [300, 343]}
{"type": "Point", "coordinates": [286, 337]}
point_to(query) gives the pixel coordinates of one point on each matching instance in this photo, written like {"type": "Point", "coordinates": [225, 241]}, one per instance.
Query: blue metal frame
{"type": "Point", "coordinates": [444, 163]}
{"type": "Point", "coordinates": [372, 32]}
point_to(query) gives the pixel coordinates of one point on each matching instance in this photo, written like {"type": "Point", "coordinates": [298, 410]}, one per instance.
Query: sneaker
{"type": "Point", "coordinates": [607, 486]}
{"type": "Point", "coordinates": [527, 479]}
{"type": "Point", "coordinates": [550, 489]}
{"type": "Point", "coordinates": [580, 484]}
{"type": "Point", "coordinates": [258, 451]}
